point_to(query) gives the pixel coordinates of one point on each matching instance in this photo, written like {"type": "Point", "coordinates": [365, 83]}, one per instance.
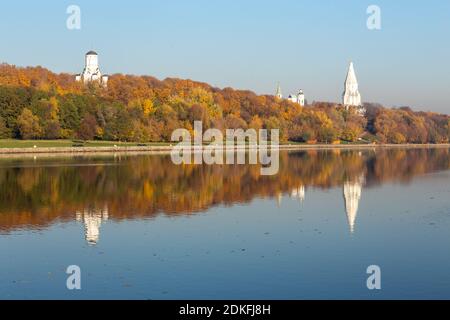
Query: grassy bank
{"type": "Point", "coordinates": [10, 143]}
{"type": "Point", "coordinates": [13, 143]}
{"type": "Point", "coordinates": [30, 144]}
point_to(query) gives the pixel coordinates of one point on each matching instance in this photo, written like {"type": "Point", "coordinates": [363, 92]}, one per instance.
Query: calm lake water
{"type": "Point", "coordinates": [141, 227]}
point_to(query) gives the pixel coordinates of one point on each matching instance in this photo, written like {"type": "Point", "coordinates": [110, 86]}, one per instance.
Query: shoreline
{"type": "Point", "coordinates": [167, 149]}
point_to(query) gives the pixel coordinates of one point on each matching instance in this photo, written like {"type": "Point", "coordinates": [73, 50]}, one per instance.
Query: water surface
{"type": "Point", "coordinates": [141, 227]}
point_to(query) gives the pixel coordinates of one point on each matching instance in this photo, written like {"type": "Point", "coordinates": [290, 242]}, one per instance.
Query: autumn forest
{"type": "Point", "coordinates": [38, 104]}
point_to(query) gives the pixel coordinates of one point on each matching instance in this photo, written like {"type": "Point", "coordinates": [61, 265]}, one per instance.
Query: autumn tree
{"type": "Point", "coordinates": [256, 123]}
{"type": "Point", "coordinates": [88, 128]}
{"type": "Point", "coordinates": [28, 124]}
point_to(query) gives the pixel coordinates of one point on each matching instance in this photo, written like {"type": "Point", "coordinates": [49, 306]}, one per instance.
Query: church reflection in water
{"type": "Point", "coordinates": [92, 220]}
{"type": "Point", "coordinates": [352, 191]}
{"type": "Point", "coordinates": [142, 187]}
{"type": "Point", "coordinates": [352, 196]}
{"type": "Point", "coordinates": [299, 193]}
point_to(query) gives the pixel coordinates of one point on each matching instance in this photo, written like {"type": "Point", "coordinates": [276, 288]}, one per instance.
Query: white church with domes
{"type": "Point", "coordinates": [351, 98]}
{"type": "Point", "coordinates": [295, 98]}
{"type": "Point", "coordinates": [299, 98]}
{"type": "Point", "coordinates": [91, 72]}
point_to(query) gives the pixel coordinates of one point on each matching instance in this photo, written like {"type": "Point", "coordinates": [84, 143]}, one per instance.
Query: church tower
{"type": "Point", "coordinates": [279, 94]}
{"type": "Point", "coordinates": [301, 98]}
{"type": "Point", "coordinates": [351, 96]}
{"type": "Point", "coordinates": [91, 72]}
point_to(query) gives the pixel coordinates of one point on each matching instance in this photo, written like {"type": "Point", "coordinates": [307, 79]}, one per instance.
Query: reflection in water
{"type": "Point", "coordinates": [279, 199]}
{"type": "Point", "coordinates": [384, 196]}
{"type": "Point", "coordinates": [36, 194]}
{"type": "Point", "coordinates": [352, 196]}
{"type": "Point", "coordinates": [296, 193]}
{"type": "Point", "coordinates": [92, 220]}
{"type": "Point", "coordinates": [299, 193]}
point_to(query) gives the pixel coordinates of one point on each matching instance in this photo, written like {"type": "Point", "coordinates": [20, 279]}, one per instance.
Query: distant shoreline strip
{"type": "Point", "coordinates": [168, 149]}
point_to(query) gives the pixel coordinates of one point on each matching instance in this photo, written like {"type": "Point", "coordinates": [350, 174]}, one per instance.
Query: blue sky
{"type": "Point", "coordinates": [250, 44]}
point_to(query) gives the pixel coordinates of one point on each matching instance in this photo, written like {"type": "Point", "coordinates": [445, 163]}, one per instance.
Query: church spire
{"type": "Point", "coordinates": [351, 76]}
{"type": "Point", "coordinates": [279, 94]}
{"type": "Point", "coordinates": [351, 96]}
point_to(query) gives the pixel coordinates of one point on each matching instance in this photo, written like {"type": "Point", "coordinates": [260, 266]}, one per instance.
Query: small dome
{"type": "Point", "coordinates": [92, 53]}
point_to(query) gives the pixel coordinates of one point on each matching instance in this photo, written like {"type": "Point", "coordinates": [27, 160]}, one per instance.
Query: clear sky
{"type": "Point", "coordinates": [247, 44]}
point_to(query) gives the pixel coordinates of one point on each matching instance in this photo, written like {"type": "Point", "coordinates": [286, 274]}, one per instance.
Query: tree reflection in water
{"type": "Point", "coordinates": [37, 193]}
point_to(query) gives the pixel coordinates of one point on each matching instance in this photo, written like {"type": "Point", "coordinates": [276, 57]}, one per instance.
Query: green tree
{"type": "Point", "coordinates": [69, 115]}
{"type": "Point", "coordinates": [12, 102]}
{"type": "Point", "coordinates": [327, 134]}
{"type": "Point", "coordinates": [4, 131]}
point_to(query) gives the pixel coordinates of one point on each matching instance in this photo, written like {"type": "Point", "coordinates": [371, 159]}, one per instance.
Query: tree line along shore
{"type": "Point", "coordinates": [37, 104]}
